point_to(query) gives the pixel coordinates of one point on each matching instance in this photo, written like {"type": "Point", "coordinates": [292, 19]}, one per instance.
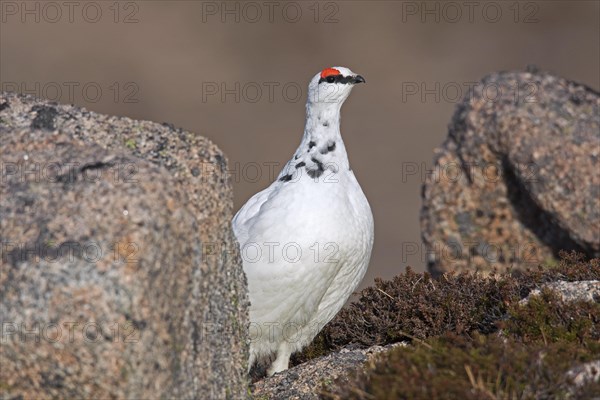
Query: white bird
{"type": "Point", "coordinates": [306, 239]}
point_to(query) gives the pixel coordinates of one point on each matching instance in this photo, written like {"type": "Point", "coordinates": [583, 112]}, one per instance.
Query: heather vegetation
{"type": "Point", "coordinates": [470, 336]}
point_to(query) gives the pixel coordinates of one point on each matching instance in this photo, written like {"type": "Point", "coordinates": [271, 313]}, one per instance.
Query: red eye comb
{"type": "Point", "coordinates": [328, 72]}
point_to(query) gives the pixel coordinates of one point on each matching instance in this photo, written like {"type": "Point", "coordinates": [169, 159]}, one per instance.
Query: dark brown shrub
{"type": "Point", "coordinates": [416, 306]}
{"type": "Point", "coordinates": [458, 355]}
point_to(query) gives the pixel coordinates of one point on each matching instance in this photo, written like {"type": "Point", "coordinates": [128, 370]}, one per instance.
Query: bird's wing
{"type": "Point", "coordinates": [242, 220]}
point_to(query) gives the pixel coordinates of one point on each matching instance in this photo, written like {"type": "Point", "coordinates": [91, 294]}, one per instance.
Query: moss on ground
{"type": "Point", "coordinates": [471, 337]}
{"type": "Point", "coordinates": [546, 318]}
{"type": "Point", "coordinates": [481, 367]}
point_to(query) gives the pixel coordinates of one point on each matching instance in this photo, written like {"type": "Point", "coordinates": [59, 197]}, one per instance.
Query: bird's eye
{"type": "Point", "coordinates": [331, 79]}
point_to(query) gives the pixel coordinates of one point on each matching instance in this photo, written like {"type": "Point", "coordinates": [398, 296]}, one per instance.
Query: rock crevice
{"type": "Point", "coordinates": [528, 181]}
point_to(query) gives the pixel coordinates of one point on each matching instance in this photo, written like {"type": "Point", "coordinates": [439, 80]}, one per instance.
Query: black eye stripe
{"type": "Point", "coordinates": [338, 79]}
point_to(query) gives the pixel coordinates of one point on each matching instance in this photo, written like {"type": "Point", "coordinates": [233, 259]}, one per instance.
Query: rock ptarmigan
{"type": "Point", "coordinates": [306, 239]}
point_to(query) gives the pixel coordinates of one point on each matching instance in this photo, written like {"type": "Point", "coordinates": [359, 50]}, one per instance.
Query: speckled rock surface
{"type": "Point", "coordinates": [306, 381]}
{"type": "Point", "coordinates": [518, 177]}
{"type": "Point", "coordinates": [582, 374]}
{"type": "Point", "coordinates": [119, 255]}
{"type": "Point", "coordinates": [571, 291]}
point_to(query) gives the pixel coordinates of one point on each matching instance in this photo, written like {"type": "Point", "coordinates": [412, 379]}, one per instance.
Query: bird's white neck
{"type": "Point", "coordinates": [322, 138]}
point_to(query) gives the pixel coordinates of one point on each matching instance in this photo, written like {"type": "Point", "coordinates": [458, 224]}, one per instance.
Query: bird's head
{"type": "Point", "coordinates": [332, 85]}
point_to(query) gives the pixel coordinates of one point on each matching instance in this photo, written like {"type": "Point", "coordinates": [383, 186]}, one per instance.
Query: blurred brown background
{"type": "Point", "coordinates": [232, 70]}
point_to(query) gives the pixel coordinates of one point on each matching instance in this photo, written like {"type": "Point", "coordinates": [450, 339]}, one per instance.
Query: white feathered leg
{"type": "Point", "coordinates": [282, 361]}
{"type": "Point", "coordinates": [251, 361]}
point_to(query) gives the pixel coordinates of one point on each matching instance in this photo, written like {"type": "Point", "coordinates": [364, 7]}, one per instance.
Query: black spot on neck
{"type": "Point", "coordinates": [286, 178]}
{"type": "Point", "coordinates": [300, 164]}
{"type": "Point", "coordinates": [315, 173]}
{"type": "Point", "coordinates": [330, 147]}
{"type": "Point", "coordinates": [326, 123]}
{"type": "Point", "coordinates": [311, 144]}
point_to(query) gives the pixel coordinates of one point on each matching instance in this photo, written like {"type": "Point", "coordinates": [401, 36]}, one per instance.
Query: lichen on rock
{"type": "Point", "coordinates": [120, 277]}
{"type": "Point", "coordinates": [516, 180]}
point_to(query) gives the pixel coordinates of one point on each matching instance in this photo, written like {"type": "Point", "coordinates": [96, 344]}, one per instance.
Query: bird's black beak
{"type": "Point", "coordinates": [359, 79]}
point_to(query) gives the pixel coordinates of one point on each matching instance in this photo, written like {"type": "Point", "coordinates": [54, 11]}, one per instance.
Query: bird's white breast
{"type": "Point", "coordinates": [306, 246]}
